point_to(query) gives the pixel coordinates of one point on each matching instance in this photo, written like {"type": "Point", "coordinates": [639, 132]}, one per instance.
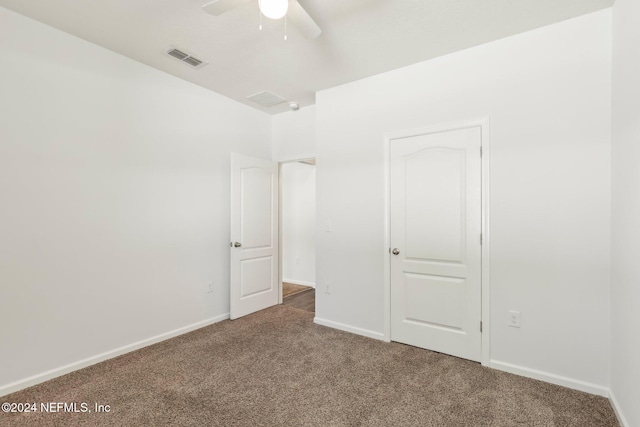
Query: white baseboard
{"type": "Point", "coordinates": [299, 282]}
{"type": "Point", "coordinates": [349, 328]}
{"type": "Point", "coordinates": [550, 378]}
{"type": "Point", "coordinates": [62, 370]}
{"type": "Point", "coordinates": [618, 410]}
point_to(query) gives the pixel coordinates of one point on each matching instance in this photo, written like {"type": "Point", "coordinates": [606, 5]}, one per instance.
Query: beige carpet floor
{"type": "Point", "coordinates": [278, 368]}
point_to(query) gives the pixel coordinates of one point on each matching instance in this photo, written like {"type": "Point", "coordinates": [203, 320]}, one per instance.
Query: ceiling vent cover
{"type": "Point", "coordinates": [266, 99]}
{"type": "Point", "coordinates": [186, 57]}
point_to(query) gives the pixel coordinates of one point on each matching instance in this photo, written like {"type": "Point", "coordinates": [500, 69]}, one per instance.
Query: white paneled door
{"type": "Point", "coordinates": [254, 235]}
{"type": "Point", "coordinates": [435, 226]}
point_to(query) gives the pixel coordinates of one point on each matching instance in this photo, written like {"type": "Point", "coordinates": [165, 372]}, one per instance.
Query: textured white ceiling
{"type": "Point", "coordinates": [360, 37]}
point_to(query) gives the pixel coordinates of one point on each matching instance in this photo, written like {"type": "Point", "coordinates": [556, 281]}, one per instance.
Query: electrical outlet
{"type": "Point", "coordinates": [327, 287]}
{"type": "Point", "coordinates": [210, 287]}
{"type": "Point", "coordinates": [514, 319]}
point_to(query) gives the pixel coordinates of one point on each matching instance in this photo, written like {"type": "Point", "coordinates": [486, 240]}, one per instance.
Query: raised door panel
{"type": "Point", "coordinates": [257, 208]}
{"type": "Point", "coordinates": [434, 197]}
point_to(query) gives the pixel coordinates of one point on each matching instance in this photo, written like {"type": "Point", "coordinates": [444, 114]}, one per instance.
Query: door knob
{"type": "Point", "coordinates": [237, 244]}
{"type": "Point", "coordinates": [395, 251]}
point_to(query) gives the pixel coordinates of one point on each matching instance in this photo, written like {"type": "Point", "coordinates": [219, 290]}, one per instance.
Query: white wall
{"type": "Point", "coordinates": [548, 94]}
{"type": "Point", "coordinates": [115, 199]}
{"type": "Point", "coordinates": [294, 134]}
{"type": "Point", "coordinates": [625, 307]}
{"type": "Point", "coordinates": [298, 201]}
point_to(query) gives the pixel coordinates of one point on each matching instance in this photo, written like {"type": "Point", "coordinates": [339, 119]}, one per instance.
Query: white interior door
{"type": "Point", "coordinates": [435, 195]}
{"type": "Point", "coordinates": [254, 235]}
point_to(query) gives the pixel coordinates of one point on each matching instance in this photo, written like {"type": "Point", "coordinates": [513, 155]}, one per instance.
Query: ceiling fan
{"type": "Point", "coordinates": [274, 9]}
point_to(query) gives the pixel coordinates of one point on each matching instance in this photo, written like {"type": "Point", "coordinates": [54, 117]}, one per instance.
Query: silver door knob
{"type": "Point", "coordinates": [395, 251]}
{"type": "Point", "coordinates": [237, 244]}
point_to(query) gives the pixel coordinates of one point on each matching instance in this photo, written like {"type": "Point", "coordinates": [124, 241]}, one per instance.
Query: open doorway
{"type": "Point", "coordinates": [297, 233]}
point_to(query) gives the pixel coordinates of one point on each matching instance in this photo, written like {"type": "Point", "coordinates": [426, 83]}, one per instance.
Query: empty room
{"type": "Point", "coordinates": [313, 213]}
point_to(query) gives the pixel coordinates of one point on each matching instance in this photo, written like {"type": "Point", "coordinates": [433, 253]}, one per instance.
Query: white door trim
{"type": "Point", "coordinates": [486, 237]}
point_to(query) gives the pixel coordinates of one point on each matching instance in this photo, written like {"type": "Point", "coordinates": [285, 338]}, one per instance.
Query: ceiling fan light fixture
{"type": "Point", "coordinates": [274, 9]}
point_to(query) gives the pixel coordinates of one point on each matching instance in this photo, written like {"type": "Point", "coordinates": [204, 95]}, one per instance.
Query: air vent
{"type": "Point", "coordinates": [192, 61]}
{"type": "Point", "coordinates": [183, 56]}
{"type": "Point", "coordinates": [178, 54]}
{"type": "Point", "coordinates": [266, 99]}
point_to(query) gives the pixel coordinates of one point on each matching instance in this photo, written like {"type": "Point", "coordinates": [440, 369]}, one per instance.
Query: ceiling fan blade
{"type": "Point", "coordinates": [218, 7]}
{"type": "Point", "coordinates": [302, 20]}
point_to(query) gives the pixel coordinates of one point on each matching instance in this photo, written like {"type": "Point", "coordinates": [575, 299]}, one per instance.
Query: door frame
{"type": "Point", "coordinates": [280, 163]}
{"type": "Point", "coordinates": [485, 287]}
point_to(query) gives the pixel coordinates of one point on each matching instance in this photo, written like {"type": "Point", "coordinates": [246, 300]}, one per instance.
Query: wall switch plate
{"type": "Point", "coordinates": [210, 287]}
{"type": "Point", "coordinates": [514, 319]}
{"type": "Point", "coordinates": [327, 287]}
{"type": "Point", "coordinates": [327, 226]}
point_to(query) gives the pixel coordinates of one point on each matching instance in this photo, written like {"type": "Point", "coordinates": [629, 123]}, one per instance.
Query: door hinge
{"type": "Point", "coordinates": [480, 151]}
{"type": "Point", "coordinates": [481, 326]}
{"type": "Point", "coordinates": [480, 238]}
